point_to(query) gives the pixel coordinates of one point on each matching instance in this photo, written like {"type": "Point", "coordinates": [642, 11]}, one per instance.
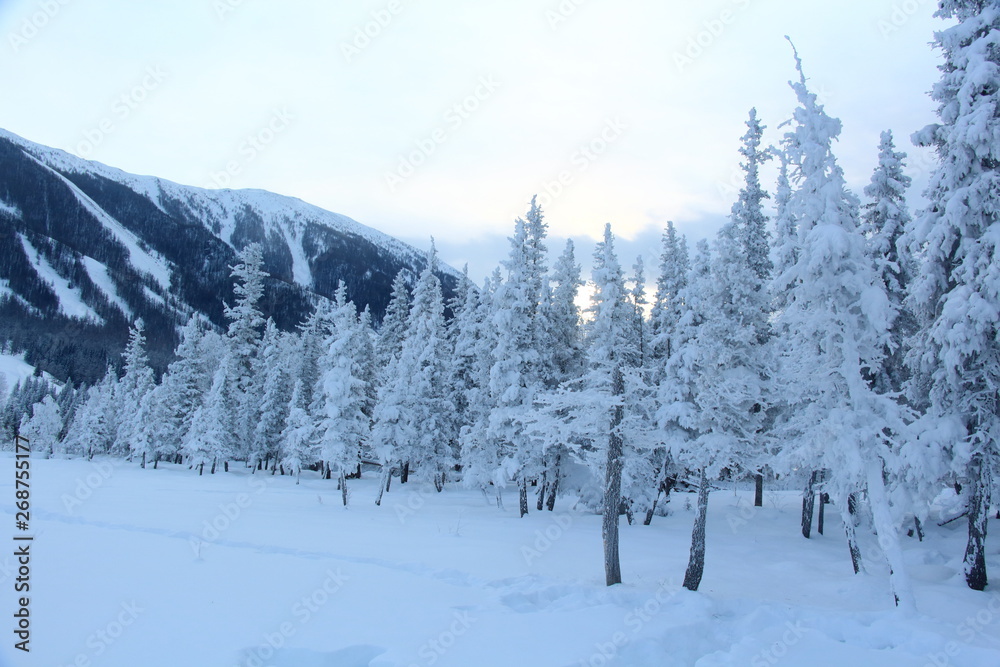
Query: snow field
{"type": "Point", "coordinates": [142, 567]}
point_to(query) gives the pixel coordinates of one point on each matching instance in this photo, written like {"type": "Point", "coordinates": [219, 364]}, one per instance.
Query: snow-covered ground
{"type": "Point", "coordinates": [144, 568]}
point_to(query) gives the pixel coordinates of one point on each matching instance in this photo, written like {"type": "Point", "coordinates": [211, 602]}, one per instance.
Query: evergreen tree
{"type": "Point", "coordinates": [956, 294]}
{"type": "Point", "coordinates": [42, 429]}
{"type": "Point", "coordinates": [272, 386]}
{"type": "Point", "coordinates": [837, 322]}
{"type": "Point", "coordinates": [297, 437]}
{"type": "Point", "coordinates": [609, 354]}
{"type": "Point", "coordinates": [137, 381]}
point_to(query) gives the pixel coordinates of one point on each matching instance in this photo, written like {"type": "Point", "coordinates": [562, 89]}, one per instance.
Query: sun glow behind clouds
{"type": "Point", "coordinates": [656, 92]}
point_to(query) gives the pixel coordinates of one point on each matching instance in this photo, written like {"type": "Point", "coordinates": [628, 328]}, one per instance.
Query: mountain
{"type": "Point", "coordinates": [85, 249]}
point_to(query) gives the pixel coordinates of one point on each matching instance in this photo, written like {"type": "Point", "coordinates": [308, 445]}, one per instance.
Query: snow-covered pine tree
{"type": "Point", "coordinates": [514, 378]}
{"type": "Point", "coordinates": [885, 218]}
{"type": "Point", "coordinates": [296, 441]}
{"type": "Point", "coordinates": [836, 325]}
{"type": "Point", "coordinates": [243, 337]}
{"type": "Point", "coordinates": [610, 356]}
{"type": "Point", "coordinates": [956, 354]}
{"type": "Point", "coordinates": [43, 427]}
{"type": "Point", "coordinates": [563, 352]}
{"type": "Point", "coordinates": [479, 453]}
{"type": "Point", "coordinates": [341, 396]}
{"type": "Point", "coordinates": [786, 235]}
{"type": "Point", "coordinates": [750, 228]}
{"type": "Point", "coordinates": [675, 267]}
{"type": "Point", "coordinates": [271, 384]}
{"type": "Point", "coordinates": [137, 381]}
{"type": "Point", "coordinates": [209, 439]}
{"type": "Point", "coordinates": [409, 416]}
{"type": "Point", "coordinates": [397, 313]}
{"type": "Point", "coordinates": [92, 431]}
{"type": "Point", "coordinates": [717, 379]}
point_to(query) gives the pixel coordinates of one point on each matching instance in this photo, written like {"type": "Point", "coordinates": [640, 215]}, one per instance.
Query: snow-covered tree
{"type": "Point", "coordinates": [956, 354]}
{"type": "Point", "coordinates": [748, 211]}
{"type": "Point", "coordinates": [610, 355]}
{"type": "Point", "coordinates": [296, 441]}
{"type": "Point", "coordinates": [43, 427]}
{"type": "Point", "coordinates": [836, 324]}
{"type": "Point", "coordinates": [246, 323]}
{"type": "Point", "coordinates": [271, 385]}
{"type": "Point", "coordinates": [137, 381]}
{"type": "Point", "coordinates": [674, 270]}
{"type": "Point", "coordinates": [92, 431]}
{"type": "Point", "coordinates": [210, 437]}
{"type": "Point", "coordinates": [341, 396]}
{"type": "Point", "coordinates": [884, 220]}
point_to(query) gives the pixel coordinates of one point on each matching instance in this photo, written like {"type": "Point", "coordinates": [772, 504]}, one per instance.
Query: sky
{"type": "Point", "coordinates": [444, 118]}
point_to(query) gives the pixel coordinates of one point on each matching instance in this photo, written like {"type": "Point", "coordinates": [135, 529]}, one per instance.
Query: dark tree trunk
{"type": "Point", "coordinates": [850, 525]}
{"type": "Point", "coordinates": [808, 504]}
{"type": "Point", "coordinates": [979, 507]}
{"type": "Point", "coordinates": [404, 476]}
{"type": "Point", "coordinates": [613, 487]}
{"type": "Point", "coordinates": [696, 561]}
{"type": "Point", "coordinates": [343, 488]}
{"type": "Point", "coordinates": [540, 505]}
{"type": "Point", "coordinates": [388, 480]}
{"type": "Point", "coordinates": [626, 509]}
{"type": "Point", "coordinates": [758, 490]}
{"type": "Point", "coordinates": [919, 529]}
{"type": "Point", "coordinates": [823, 500]}
{"type": "Point", "coordinates": [329, 472]}
{"type": "Point", "coordinates": [523, 496]}
{"type": "Point", "coordinates": [550, 505]}
{"type": "Point", "coordinates": [225, 466]}
{"type": "Point", "coordinates": [384, 485]}
{"type": "Point", "coordinates": [439, 482]}
{"type": "Point", "coordinates": [201, 470]}
{"type": "Point", "coordinates": [156, 461]}
{"type": "Point", "coordinates": [143, 464]}
{"type": "Point", "coordinates": [213, 466]}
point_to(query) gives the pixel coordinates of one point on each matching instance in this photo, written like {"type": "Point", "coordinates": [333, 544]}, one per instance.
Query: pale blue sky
{"type": "Point", "coordinates": [534, 81]}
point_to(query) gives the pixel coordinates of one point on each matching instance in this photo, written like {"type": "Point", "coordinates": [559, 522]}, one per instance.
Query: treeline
{"type": "Point", "coordinates": [854, 343]}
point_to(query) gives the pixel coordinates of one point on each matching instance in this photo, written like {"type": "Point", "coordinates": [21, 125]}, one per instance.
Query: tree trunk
{"type": "Point", "coordinates": [550, 505]}
{"type": "Point", "coordinates": [523, 496]}
{"type": "Point", "coordinates": [298, 475]}
{"type": "Point", "coordinates": [850, 525]}
{"type": "Point", "coordinates": [201, 469]}
{"type": "Point", "coordinates": [143, 464]}
{"type": "Point", "coordinates": [758, 490]}
{"type": "Point", "coordinates": [225, 466]}
{"type": "Point", "coordinates": [613, 486]}
{"type": "Point", "coordinates": [808, 504]}
{"type": "Point", "coordinates": [383, 485]}
{"type": "Point", "coordinates": [979, 506]}
{"type": "Point", "coordinates": [439, 482]}
{"type": "Point", "coordinates": [328, 474]}
{"type": "Point", "coordinates": [822, 513]}
{"type": "Point", "coordinates": [919, 529]}
{"type": "Point", "coordinates": [696, 561]}
{"type": "Point", "coordinates": [888, 538]}
{"type": "Point", "coordinates": [404, 476]}
{"type": "Point", "coordinates": [156, 461]}
{"type": "Point", "coordinates": [212, 471]}
{"type": "Point", "coordinates": [343, 487]}
{"type": "Point", "coordinates": [540, 505]}
{"type": "Point", "coordinates": [499, 493]}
